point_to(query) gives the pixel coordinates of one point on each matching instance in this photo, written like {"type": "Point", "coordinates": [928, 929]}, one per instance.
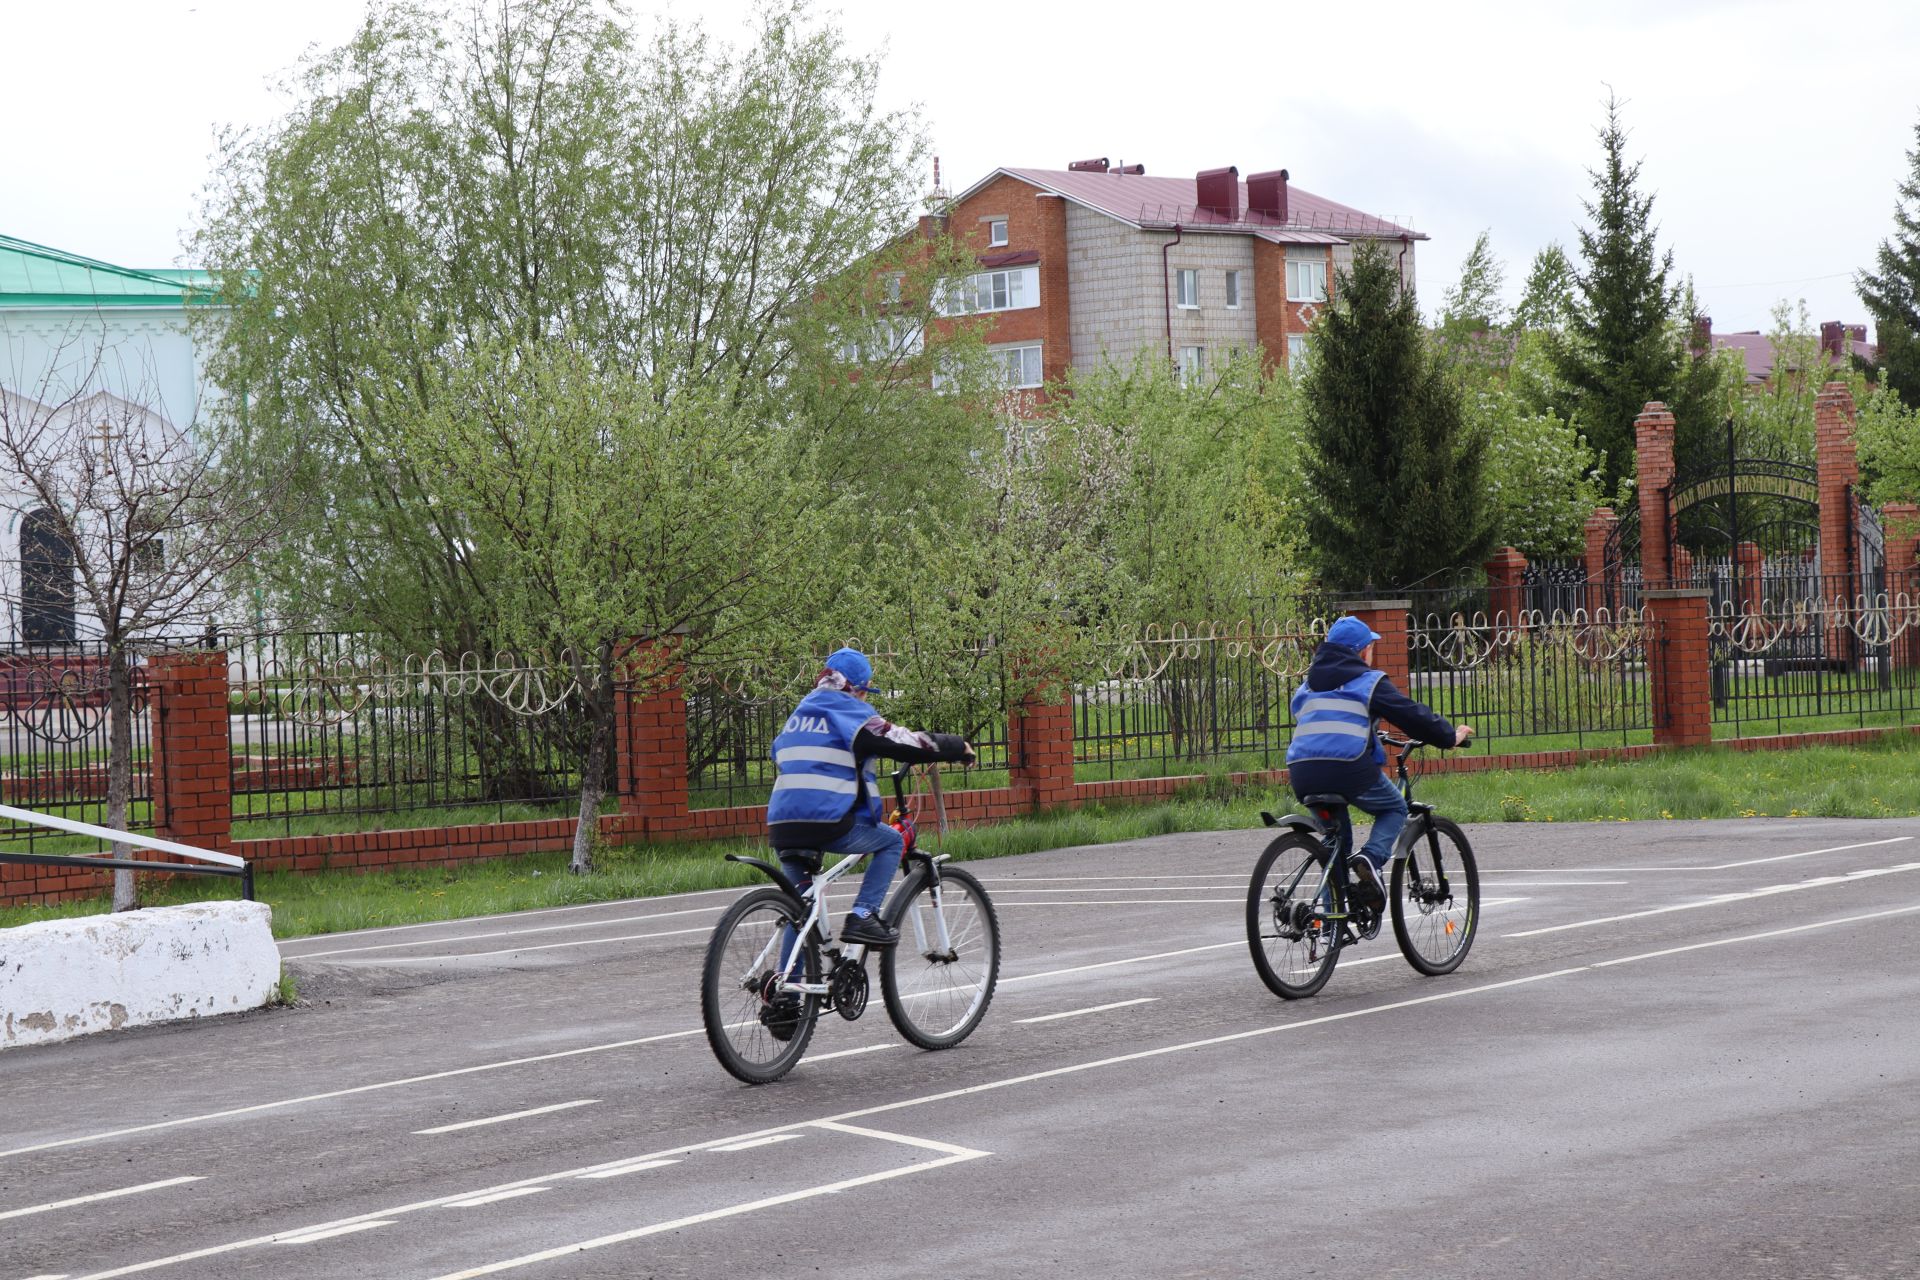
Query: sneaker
{"type": "Point", "coordinates": [868, 931]}
{"type": "Point", "coordinates": [1367, 876]}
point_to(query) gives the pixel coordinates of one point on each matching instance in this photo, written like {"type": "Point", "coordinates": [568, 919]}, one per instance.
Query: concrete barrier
{"type": "Point", "coordinates": [66, 978]}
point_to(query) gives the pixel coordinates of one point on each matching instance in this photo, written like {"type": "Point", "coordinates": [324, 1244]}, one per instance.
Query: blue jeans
{"type": "Point", "coordinates": [886, 846]}
{"type": "Point", "coordinates": [1382, 800]}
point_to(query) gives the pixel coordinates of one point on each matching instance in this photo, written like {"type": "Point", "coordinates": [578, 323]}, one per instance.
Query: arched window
{"type": "Point", "coordinates": [46, 581]}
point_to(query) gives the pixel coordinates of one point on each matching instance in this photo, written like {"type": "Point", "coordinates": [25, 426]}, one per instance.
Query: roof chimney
{"type": "Point", "coordinates": [1088, 166]}
{"type": "Point", "coordinates": [1702, 335]}
{"type": "Point", "coordinates": [1137, 170]}
{"type": "Point", "coordinates": [1267, 194]}
{"type": "Point", "coordinates": [1219, 191]}
{"type": "Point", "coordinates": [1833, 340]}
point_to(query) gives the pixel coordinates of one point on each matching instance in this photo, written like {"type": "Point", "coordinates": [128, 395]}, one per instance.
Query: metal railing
{"type": "Point", "coordinates": [207, 862]}
{"type": "Point", "coordinates": [54, 714]}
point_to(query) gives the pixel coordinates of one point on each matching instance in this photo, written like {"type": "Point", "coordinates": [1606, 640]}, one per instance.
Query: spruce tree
{"type": "Point", "coordinates": [1892, 293]}
{"type": "Point", "coordinates": [1629, 337]}
{"type": "Point", "coordinates": [1394, 468]}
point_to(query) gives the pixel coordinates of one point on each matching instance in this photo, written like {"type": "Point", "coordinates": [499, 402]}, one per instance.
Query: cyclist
{"type": "Point", "coordinates": [826, 798]}
{"type": "Point", "coordinates": [1335, 750]}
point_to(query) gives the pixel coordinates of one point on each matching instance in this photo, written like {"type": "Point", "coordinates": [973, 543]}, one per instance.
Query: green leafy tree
{"type": "Point", "coordinates": [1627, 339]}
{"type": "Point", "coordinates": [1547, 298]}
{"type": "Point", "coordinates": [1393, 464]}
{"type": "Point", "coordinates": [1892, 293]}
{"type": "Point", "coordinates": [1472, 314]}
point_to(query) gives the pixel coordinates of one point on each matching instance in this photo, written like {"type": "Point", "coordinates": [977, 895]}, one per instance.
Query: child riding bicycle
{"type": "Point", "coordinates": [1335, 750]}
{"type": "Point", "coordinates": [826, 798]}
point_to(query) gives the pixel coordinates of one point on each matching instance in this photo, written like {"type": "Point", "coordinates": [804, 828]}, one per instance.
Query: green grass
{"type": "Point", "coordinates": [1878, 780]}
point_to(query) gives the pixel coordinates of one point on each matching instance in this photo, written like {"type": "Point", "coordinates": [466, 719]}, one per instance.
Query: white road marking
{"type": "Point", "coordinates": [545, 946]}
{"type": "Point", "coordinates": [847, 1053]}
{"type": "Point", "coordinates": [60, 1276]}
{"type": "Point", "coordinates": [511, 1115]}
{"type": "Point", "coordinates": [1126, 902]}
{"type": "Point", "coordinates": [1717, 866]}
{"type": "Point", "coordinates": [638, 1166]}
{"type": "Point", "coordinates": [1239, 882]}
{"type": "Point", "coordinates": [1239, 878]}
{"type": "Point", "coordinates": [621, 1237]}
{"type": "Point", "coordinates": [475, 1202]}
{"type": "Point", "coordinates": [841, 1120]}
{"type": "Point", "coordinates": [98, 1195]}
{"type": "Point", "coordinates": [503, 915]}
{"type": "Point", "coordinates": [346, 1229]}
{"type": "Point", "coordinates": [1109, 964]}
{"type": "Point", "coordinates": [751, 1143]}
{"type": "Point", "coordinates": [502, 933]}
{"type": "Point", "coordinates": [1554, 884]}
{"type": "Point", "coordinates": [1724, 899]}
{"type": "Point", "coordinates": [1098, 1008]}
{"type": "Point", "coordinates": [925, 1144]}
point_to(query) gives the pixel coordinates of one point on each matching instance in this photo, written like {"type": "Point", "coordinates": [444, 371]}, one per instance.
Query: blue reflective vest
{"type": "Point", "coordinates": [819, 780]}
{"type": "Point", "coordinates": [1335, 724]}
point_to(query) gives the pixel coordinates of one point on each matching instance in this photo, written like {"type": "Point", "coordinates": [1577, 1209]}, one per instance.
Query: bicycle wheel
{"type": "Point", "coordinates": [1289, 930]}
{"type": "Point", "coordinates": [1436, 897]}
{"type": "Point", "coordinates": [754, 1038]}
{"type": "Point", "coordinates": [938, 986]}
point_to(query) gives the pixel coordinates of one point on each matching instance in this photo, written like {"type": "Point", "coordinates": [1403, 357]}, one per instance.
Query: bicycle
{"type": "Point", "coordinates": [1301, 915]}
{"type": "Point", "coordinates": [772, 966]}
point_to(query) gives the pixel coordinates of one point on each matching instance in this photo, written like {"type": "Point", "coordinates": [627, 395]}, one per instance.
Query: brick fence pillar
{"type": "Point", "coordinates": [1902, 526]}
{"type": "Point", "coordinates": [1599, 528]}
{"type": "Point", "coordinates": [1682, 694]}
{"type": "Point", "coordinates": [1838, 472]}
{"type": "Point", "coordinates": [192, 760]}
{"type": "Point", "coordinates": [1653, 437]}
{"type": "Point", "coordinates": [1506, 586]}
{"type": "Point", "coordinates": [1681, 566]}
{"type": "Point", "coordinates": [1040, 746]}
{"type": "Point", "coordinates": [650, 737]}
{"type": "Point", "coordinates": [1389, 619]}
{"type": "Point", "coordinates": [1749, 566]}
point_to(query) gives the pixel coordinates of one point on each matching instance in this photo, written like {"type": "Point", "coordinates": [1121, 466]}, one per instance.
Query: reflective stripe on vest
{"type": "Point", "coordinates": [1333, 724]}
{"type": "Point", "coordinates": [814, 753]}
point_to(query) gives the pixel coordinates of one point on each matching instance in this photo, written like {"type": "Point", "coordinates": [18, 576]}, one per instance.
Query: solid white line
{"type": "Point", "coordinates": [1725, 899]}
{"type": "Point", "coordinates": [545, 946]}
{"type": "Point", "coordinates": [751, 1143]}
{"type": "Point", "coordinates": [347, 1229]}
{"type": "Point", "coordinates": [512, 1115]}
{"type": "Point", "coordinates": [639, 1166]}
{"type": "Point", "coordinates": [1554, 884]}
{"type": "Point", "coordinates": [1109, 964]}
{"type": "Point", "coordinates": [502, 915]}
{"type": "Point", "coordinates": [1125, 902]}
{"type": "Point", "coordinates": [499, 933]}
{"type": "Point", "coordinates": [847, 1053]}
{"type": "Point", "coordinates": [1218, 875]}
{"type": "Point", "coordinates": [714, 1215]}
{"type": "Point", "coordinates": [476, 1202]}
{"type": "Point", "coordinates": [1755, 937]}
{"type": "Point", "coordinates": [1717, 866]}
{"type": "Point", "coordinates": [1785, 857]}
{"type": "Point", "coordinates": [842, 1119]}
{"type": "Point", "coordinates": [925, 1144]}
{"type": "Point", "coordinates": [1098, 1008]}
{"type": "Point", "coordinates": [1237, 883]}
{"type": "Point", "coordinates": [98, 1195]}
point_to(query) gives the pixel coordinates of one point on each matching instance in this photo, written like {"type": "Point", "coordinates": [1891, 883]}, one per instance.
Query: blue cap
{"type": "Point", "coordinates": [1352, 633]}
{"type": "Point", "coordinates": [852, 664]}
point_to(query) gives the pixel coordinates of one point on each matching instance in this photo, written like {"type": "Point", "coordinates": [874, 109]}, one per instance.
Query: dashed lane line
{"type": "Point", "coordinates": [511, 1115]}
{"type": "Point", "coordinates": [98, 1195]}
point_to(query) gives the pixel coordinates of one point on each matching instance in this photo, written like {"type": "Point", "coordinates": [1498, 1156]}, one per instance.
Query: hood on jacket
{"type": "Point", "coordinates": [1333, 665]}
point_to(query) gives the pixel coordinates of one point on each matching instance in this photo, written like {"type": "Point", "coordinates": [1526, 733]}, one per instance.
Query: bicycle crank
{"type": "Point", "coordinates": [847, 988]}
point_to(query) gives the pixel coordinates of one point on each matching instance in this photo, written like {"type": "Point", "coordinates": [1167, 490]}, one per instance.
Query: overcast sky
{"type": "Point", "coordinates": [1773, 133]}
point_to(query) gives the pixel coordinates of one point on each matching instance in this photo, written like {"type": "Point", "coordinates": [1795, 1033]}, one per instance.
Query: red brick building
{"type": "Point", "coordinates": [1093, 264]}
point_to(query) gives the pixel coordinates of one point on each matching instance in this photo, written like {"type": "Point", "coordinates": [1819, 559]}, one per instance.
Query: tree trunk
{"type": "Point", "coordinates": [593, 774]}
{"type": "Point", "coordinates": [126, 890]}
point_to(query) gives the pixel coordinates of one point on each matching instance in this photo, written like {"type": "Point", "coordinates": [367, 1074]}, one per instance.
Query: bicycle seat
{"type": "Point", "coordinates": [1325, 802]}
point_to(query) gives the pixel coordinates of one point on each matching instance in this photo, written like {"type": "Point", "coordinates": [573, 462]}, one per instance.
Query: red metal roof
{"type": "Point", "coordinates": [1151, 202]}
{"type": "Point", "coordinates": [1756, 349]}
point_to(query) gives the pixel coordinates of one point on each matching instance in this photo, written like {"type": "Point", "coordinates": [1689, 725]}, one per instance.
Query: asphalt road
{"type": "Point", "coordinates": [1678, 1049]}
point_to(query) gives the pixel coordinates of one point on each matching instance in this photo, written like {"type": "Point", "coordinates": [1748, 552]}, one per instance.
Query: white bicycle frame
{"type": "Point", "coordinates": [819, 918]}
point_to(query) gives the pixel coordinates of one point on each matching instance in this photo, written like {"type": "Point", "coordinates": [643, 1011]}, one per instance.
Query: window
{"type": "Point", "coordinates": [1020, 366]}
{"type": "Point", "coordinates": [893, 286]}
{"type": "Point", "coordinates": [46, 581]}
{"type": "Point", "coordinates": [1233, 290]}
{"type": "Point", "coordinates": [997, 231]}
{"type": "Point", "coordinates": [1010, 290]}
{"type": "Point", "coordinates": [1187, 288]}
{"type": "Point", "coordinates": [887, 340]}
{"type": "Point", "coordinates": [1193, 365]}
{"type": "Point", "coordinates": [1296, 353]}
{"type": "Point", "coordinates": [1306, 280]}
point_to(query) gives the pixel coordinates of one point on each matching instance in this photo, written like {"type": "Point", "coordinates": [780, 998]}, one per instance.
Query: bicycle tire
{"type": "Point", "coordinates": [1294, 951]}
{"type": "Point", "coordinates": [936, 998]}
{"type": "Point", "coordinates": [1436, 906]}
{"type": "Point", "coordinates": [741, 956]}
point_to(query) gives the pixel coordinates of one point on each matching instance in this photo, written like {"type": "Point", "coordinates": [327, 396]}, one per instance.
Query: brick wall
{"type": "Point", "coordinates": [1682, 695]}
{"type": "Point", "coordinates": [1653, 437]}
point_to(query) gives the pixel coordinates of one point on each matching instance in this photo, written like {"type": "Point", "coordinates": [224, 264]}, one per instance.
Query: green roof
{"type": "Point", "coordinates": [32, 275]}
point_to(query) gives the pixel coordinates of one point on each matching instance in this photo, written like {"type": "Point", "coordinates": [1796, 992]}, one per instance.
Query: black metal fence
{"type": "Point", "coordinates": [53, 711]}
{"type": "Point", "coordinates": [330, 723]}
